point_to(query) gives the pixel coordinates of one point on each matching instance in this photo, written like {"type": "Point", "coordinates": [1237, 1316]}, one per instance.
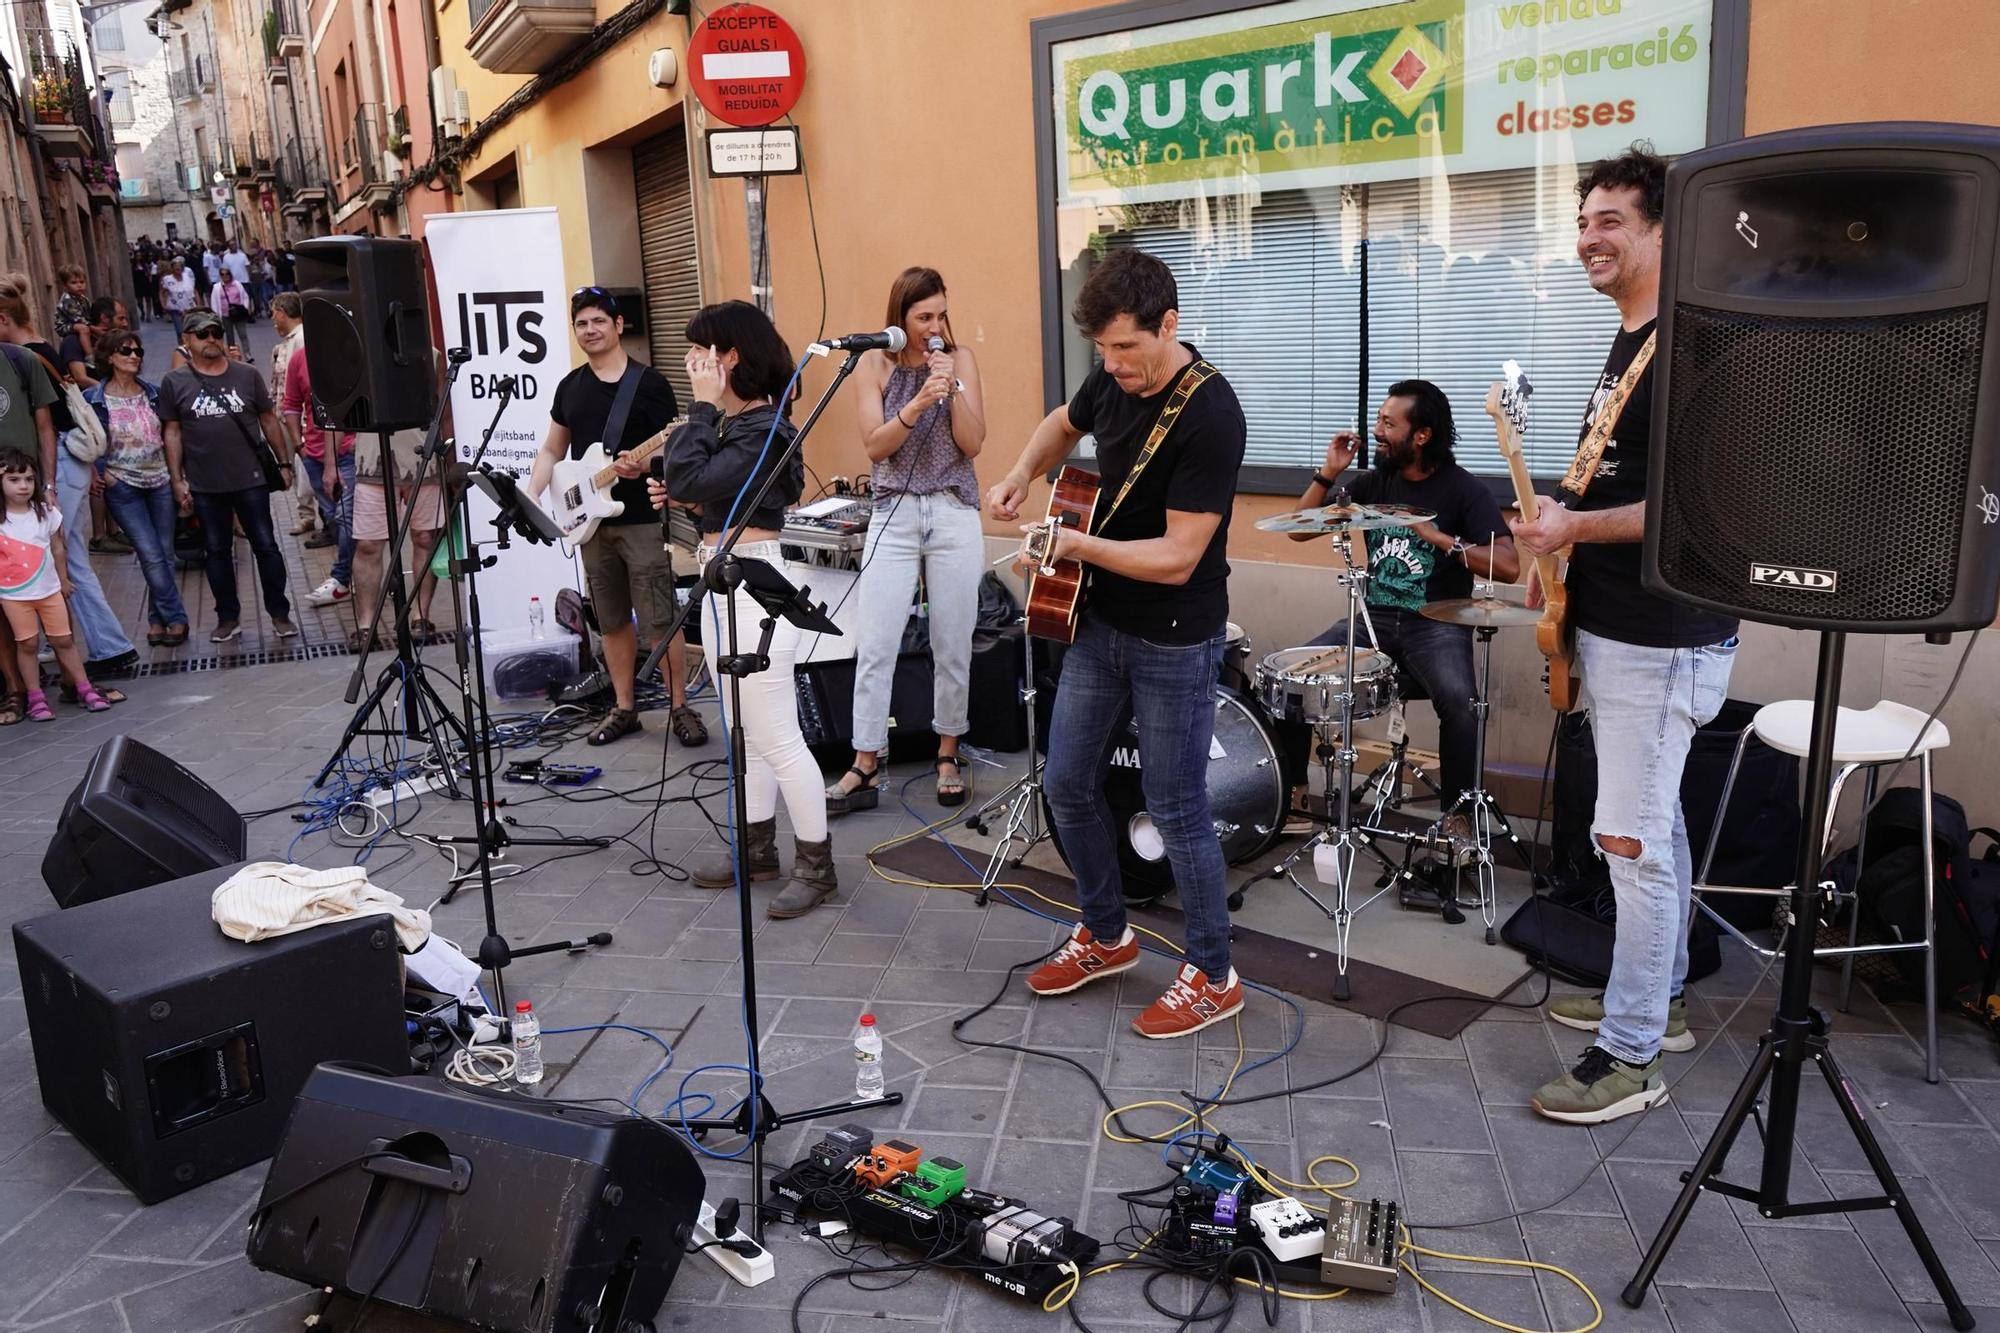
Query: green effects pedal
{"type": "Point", "coordinates": [935, 1181]}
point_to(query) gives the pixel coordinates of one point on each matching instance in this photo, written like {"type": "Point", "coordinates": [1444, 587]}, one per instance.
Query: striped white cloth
{"type": "Point", "coordinates": [267, 898]}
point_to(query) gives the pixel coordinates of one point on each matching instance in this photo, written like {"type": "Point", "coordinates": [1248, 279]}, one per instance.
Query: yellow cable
{"type": "Point", "coordinates": [1269, 1181]}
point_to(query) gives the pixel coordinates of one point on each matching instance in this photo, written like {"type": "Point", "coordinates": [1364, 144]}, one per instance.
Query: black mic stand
{"type": "Point", "coordinates": [755, 1118]}
{"type": "Point", "coordinates": [491, 837]}
{"type": "Point", "coordinates": [423, 708]}
{"type": "Point", "coordinates": [1798, 1033]}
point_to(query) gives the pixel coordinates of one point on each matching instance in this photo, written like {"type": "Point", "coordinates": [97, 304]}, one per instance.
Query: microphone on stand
{"type": "Point", "coordinates": [888, 340]}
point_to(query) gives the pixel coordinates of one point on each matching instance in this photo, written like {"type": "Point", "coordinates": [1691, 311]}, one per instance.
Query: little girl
{"type": "Point", "coordinates": [33, 584]}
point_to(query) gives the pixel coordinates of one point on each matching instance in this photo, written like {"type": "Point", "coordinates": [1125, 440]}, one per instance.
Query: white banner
{"type": "Point", "coordinates": [501, 296]}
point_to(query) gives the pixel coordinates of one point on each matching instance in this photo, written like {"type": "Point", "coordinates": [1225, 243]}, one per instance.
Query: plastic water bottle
{"type": "Point", "coordinates": [867, 1058]}
{"type": "Point", "coordinates": [527, 1044]}
{"type": "Point", "coordinates": [537, 629]}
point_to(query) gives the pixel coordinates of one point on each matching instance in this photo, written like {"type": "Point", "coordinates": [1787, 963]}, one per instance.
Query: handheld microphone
{"type": "Point", "coordinates": [935, 344]}
{"type": "Point", "coordinates": [888, 340]}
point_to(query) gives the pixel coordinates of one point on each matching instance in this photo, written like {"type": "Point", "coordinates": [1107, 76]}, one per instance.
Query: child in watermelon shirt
{"type": "Point", "coordinates": [33, 584]}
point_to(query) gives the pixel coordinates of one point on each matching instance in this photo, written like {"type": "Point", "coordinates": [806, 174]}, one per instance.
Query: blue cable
{"type": "Point", "coordinates": [654, 1037]}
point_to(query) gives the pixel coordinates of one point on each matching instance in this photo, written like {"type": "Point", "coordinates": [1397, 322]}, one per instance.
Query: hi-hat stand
{"type": "Point", "coordinates": [754, 1117]}
{"type": "Point", "coordinates": [1799, 1032]}
{"type": "Point", "coordinates": [425, 712]}
{"type": "Point", "coordinates": [1022, 797]}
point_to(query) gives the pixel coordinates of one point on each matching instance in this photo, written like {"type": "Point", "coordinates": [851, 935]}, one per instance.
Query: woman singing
{"type": "Point", "coordinates": [922, 422]}
{"type": "Point", "coordinates": [738, 365]}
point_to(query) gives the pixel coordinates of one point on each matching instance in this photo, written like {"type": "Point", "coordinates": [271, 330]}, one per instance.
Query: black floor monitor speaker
{"type": "Point", "coordinates": [1826, 400]}
{"type": "Point", "coordinates": [137, 818]}
{"type": "Point", "coordinates": [368, 331]}
{"type": "Point", "coordinates": [174, 1052]}
{"type": "Point", "coordinates": [489, 1208]}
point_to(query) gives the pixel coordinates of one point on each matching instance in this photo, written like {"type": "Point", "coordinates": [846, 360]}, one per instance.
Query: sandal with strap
{"type": "Point", "coordinates": [13, 709]}
{"type": "Point", "coordinates": [866, 796]}
{"type": "Point", "coordinates": [618, 724]}
{"type": "Point", "coordinates": [111, 694]}
{"type": "Point", "coordinates": [688, 727]}
{"type": "Point", "coordinates": [90, 700]}
{"type": "Point", "coordinates": [38, 707]}
{"type": "Point", "coordinates": [950, 790]}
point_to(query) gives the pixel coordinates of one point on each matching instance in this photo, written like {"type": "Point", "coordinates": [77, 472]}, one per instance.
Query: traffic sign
{"type": "Point", "coordinates": [758, 152]}
{"type": "Point", "coordinates": [746, 65]}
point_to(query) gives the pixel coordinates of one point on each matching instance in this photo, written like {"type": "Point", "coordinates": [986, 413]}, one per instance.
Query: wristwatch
{"type": "Point", "coordinates": [1326, 481]}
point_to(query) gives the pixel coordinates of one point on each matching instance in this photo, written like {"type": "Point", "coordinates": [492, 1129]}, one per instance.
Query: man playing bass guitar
{"type": "Point", "coordinates": [1151, 633]}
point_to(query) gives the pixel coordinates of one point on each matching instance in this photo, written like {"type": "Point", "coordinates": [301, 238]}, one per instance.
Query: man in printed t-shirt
{"type": "Point", "coordinates": [1426, 562]}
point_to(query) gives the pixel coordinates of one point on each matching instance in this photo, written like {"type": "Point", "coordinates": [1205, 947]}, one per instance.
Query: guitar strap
{"type": "Point", "coordinates": [1591, 452]}
{"type": "Point", "coordinates": [1191, 379]}
{"type": "Point", "coordinates": [621, 407]}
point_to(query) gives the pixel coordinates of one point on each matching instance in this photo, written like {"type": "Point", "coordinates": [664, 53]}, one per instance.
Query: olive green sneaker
{"type": "Point", "coordinates": [1600, 1088]}
{"type": "Point", "coordinates": [1585, 1012]}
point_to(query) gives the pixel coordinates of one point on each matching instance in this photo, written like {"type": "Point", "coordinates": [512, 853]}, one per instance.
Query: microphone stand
{"type": "Point", "coordinates": [491, 836]}
{"type": "Point", "coordinates": [755, 1118]}
{"type": "Point", "coordinates": [423, 708]}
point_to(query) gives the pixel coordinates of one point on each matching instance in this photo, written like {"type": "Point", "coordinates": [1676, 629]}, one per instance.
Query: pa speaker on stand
{"type": "Point", "coordinates": [1826, 452]}
{"type": "Point", "coordinates": [368, 336]}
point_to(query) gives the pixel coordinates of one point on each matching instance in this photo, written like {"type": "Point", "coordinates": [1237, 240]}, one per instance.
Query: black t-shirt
{"type": "Point", "coordinates": [72, 350]}
{"type": "Point", "coordinates": [1605, 595]}
{"type": "Point", "coordinates": [583, 403]}
{"type": "Point", "coordinates": [59, 416]}
{"type": "Point", "coordinates": [285, 267]}
{"type": "Point", "coordinates": [1193, 471]}
{"type": "Point", "coordinates": [1405, 571]}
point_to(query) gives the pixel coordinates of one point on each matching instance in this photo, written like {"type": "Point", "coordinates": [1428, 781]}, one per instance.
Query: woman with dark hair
{"type": "Point", "coordinates": [738, 367]}
{"type": "Point", "coordinates": [137, 487]}
{"type": "Point", "coordinates": [923, 421]}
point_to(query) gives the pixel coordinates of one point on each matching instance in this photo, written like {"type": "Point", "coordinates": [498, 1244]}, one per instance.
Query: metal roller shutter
{"type": "Point", "coordinates": [666, 244]}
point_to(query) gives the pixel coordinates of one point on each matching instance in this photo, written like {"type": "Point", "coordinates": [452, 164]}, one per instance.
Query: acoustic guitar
{"type": "Point", "coordinates": [1055, 587]}
{"type": "Point", "coordinates": [579, 494]}
{"type": "Point", "coordinates": [1507, 404]}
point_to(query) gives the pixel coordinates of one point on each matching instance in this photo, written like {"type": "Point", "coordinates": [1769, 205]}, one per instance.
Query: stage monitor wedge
{"type": "Point", "coordinates": [367, 319]}
{"type": "Point", "coordinates": [1826, 388]}
{"type": "Point", "coordinates": [137, 819]}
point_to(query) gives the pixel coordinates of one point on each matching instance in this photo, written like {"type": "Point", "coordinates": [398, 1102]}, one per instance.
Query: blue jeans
{"type": "Point", "coordinates": [103, 636]}
{"type": "Point", "coordinates": [218, 510]}
{"type": "Point", "coordinates": [1645, 704]}
{"type": "Point", "coordinates": [1439, 658]}
{"type": "Point", "coordinates": [939, 535]}
{"type": "Point", "coordinates": [148, 519]}
{"type": "Point", "coordinates": [339, 517]}
{"type": "Point", "coordinates": [1169, 692]}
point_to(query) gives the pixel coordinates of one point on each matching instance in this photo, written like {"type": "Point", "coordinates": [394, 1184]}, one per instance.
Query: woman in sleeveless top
{"type": "Point", "coordinates": [923, 419]}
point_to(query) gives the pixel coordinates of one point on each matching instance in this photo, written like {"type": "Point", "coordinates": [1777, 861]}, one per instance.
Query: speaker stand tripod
{"type": "Point", "coordinates": [1799, 1032]}
{"type": "Point", "coordinates": [1022, 797]}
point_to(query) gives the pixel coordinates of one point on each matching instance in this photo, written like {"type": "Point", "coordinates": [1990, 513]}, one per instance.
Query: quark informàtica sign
{"type": "Point", "coordinates": [1321, 92]}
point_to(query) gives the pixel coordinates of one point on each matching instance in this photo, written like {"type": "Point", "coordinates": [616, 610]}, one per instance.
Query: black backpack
{"type": "Point", "coordinates": [1966, 893]}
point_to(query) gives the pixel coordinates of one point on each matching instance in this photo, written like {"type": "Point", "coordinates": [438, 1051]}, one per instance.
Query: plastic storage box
{"type": "Point", "coordinates": [520, 666]}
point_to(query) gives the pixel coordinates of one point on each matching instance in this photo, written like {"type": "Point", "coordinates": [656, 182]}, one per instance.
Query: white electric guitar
{"type": "Point", "coordinates": [579, 494]}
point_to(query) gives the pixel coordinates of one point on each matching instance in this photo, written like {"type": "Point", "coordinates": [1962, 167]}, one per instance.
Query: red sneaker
{"type": "Point", "coordinates": [1082, 961]}
{"type": "Point", "coordinates": [1190, 1005]}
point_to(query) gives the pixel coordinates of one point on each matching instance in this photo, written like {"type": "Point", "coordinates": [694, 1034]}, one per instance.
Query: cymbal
{"type": "Point", "coordinates": [1481, 613]}
{"type": "Point", "coordinates": [1345, 518]}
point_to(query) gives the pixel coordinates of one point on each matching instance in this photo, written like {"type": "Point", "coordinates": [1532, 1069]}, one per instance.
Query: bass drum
{"type": "Point", "coordinates": [1246, 797]}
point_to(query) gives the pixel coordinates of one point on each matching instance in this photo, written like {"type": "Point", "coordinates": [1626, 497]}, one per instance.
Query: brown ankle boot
{"type": "Point", "coordinates": [719, 871]}
{"type": "Point", "coordinates": [813, 880]}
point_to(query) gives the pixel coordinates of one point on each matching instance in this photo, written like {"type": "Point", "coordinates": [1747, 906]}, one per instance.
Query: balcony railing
{"type": "Point", "coordinates": [65, 113]}
{"type": "Point", "coordinates": [286, 27]}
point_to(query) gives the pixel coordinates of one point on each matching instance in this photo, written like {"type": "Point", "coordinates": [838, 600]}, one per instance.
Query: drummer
{"type": "Point", "coordinates": [1424, 562]}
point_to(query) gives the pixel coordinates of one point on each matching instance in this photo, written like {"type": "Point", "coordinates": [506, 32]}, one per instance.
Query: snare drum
{"type": "Point", "coordinates": [1304, 685]}
{"type": "Point", "coordinates": [1235, 673]}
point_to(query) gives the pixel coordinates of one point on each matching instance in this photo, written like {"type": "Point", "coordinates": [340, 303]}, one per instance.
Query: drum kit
{"type": "Point", "coordinates": [1326, 689]}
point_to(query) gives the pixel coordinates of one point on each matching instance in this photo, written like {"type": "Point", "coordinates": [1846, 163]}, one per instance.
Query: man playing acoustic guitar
{"type": "Point", "coordinates": [1170, 439]}
{"type": "Point", "coordinates": [1653, 670]}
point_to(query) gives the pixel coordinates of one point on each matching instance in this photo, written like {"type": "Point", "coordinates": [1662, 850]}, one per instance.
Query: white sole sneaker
{"type": "Point", "coordinates": [1679, 1043]}
{"type": "Point", "coordinates": [1625, 1106]}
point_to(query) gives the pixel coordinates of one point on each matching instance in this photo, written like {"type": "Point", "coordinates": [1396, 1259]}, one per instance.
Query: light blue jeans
{"type": "Point", "coordinates": [939, 536]}
{"type": "Point", "coordinates": [1645, 704]}
{"type": "Point", "coordinates": [103, 636]}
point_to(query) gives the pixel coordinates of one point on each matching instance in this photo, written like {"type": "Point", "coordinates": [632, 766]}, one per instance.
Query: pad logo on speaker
{"type": "Point", "coordinates": [1795, 578]}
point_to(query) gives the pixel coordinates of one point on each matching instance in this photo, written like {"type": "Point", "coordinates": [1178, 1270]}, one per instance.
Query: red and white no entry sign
{"type": "Point", "coordinates": [746, 65]}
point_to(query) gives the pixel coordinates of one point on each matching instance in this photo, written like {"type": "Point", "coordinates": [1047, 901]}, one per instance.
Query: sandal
{"type": "Point", "coordinates": [361, 641]}
{"type": "Point", "coordinates": [688, 726]}
{"type": "Point", "coordinates": [618, 724]}
{"type": "Point", "coordinates": [156, 635]}
{"type": "Point", "coordinates": [110, 694]}
{"type": "Point", "coordinates": [174, 636]}
{"type": "Point", "coordinates": [90, 700]}
{"type": "Point", "coordinates": [38, 707]}
{"type": "Point", "coordinates": [423, 631]}
{"type": "Point", "coordinates": [865, 796]}
{"type": "Point", "coordinates": [950, 790]}
{"type": "Point", "coordinates": [13, 709]}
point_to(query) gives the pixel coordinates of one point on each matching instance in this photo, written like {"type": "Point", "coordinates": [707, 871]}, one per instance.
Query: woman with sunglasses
{"type": "Point", "coordinates": [133, 473]}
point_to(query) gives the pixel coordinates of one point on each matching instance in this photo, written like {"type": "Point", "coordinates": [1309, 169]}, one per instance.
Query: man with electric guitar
{"type": "Point", "coordinates": [1653, 670]}
{"type": "Point", "coordinates": [1155, 602]}
{"type": "Point", "coordinates": [610, 416]}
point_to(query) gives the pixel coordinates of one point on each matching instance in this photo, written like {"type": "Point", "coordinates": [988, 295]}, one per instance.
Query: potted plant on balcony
{"type": "Point", "coordinates": [50, 96]}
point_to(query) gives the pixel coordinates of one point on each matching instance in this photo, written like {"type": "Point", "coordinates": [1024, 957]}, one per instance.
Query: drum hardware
{"type": "Point", "coordinates": [1487, 616]}
{"type": "Point", "coordinates": [1022, 798]}
{"type": "Point", "coordinates": [1337, 520]}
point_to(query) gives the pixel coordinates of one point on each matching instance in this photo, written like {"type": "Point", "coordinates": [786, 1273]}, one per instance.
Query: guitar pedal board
{"type": "Point", "coordinates": [1362, 1238]}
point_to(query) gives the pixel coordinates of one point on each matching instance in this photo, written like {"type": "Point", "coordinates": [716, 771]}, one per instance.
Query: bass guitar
{"type": "Point", "coordinates": [579, 494]}
{"type": "Point", "coordinates": [1507, 404]}
{"type": "Point", "coordinates": [1055, 587]}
